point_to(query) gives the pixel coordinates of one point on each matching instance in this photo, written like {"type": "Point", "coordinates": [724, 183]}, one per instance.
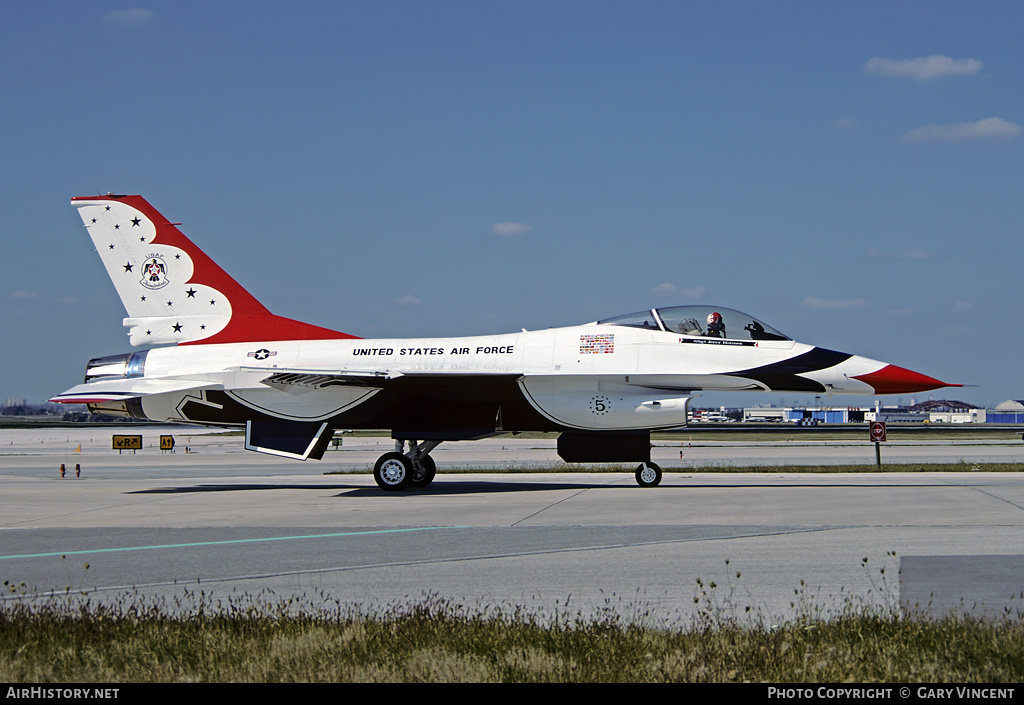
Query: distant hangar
{"type": "Point", "coordinates": [931, 411]}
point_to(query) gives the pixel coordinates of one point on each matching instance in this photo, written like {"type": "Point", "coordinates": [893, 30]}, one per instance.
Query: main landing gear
{"type": "Point", "coordinates": [400, 470]}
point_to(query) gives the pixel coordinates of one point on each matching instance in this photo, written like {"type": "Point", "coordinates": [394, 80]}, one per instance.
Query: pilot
{"type": "Point", "coordinates": [716, 326]}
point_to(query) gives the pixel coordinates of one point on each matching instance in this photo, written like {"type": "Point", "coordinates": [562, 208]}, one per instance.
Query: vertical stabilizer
{"type": "Point", "coordinates": [173, 292]}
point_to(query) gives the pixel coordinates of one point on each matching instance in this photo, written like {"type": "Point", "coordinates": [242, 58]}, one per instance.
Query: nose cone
{"type": "Point", "coordinates": [898, 380]}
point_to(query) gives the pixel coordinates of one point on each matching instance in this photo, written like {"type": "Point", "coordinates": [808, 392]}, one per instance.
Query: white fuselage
{"type": "Point", "coordinates": [584, 377]}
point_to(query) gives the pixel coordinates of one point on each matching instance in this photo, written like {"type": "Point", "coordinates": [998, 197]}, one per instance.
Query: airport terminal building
{"type": "Point", "coordinates": [941, 411]}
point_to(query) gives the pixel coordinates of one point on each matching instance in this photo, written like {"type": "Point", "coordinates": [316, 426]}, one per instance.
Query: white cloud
{"type": "Point", "coordinates": [992, 128]}
{"type": "Point", "coordinates": [510, 229]}
{"type": "Point", "coordinates": [668, 289]}
{"type": "Point", "coordinates": [813, 302]}
{"type": "Point", "coordinates": [926, 68]}
{"type": "Point", "coordinates": [960, 307]}
{"type": "Point", "coordinates": [846, 124]}
{"type": "Point", "coordinates": [408, 300]}
{"type": "Point", "coordinates": [914, 253]}
{"type": "Point", "coordinates": [131, 17]}
{"type": "Point", "coordinates": [23, 295]}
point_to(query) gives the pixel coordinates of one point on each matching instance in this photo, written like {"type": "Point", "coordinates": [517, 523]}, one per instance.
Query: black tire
{"type": "Point", "coordinates": [424, 478]}
{"type": "Point", "coordinates": [648, 475]}
{"type": "Point", "coordinates": [392, 472]}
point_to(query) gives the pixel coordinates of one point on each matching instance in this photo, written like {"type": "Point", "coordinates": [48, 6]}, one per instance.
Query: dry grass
{"type": "Point", "coordinates": [71, 640]}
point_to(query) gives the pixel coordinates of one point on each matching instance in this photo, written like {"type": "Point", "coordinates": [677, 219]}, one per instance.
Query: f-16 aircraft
{"type": "Point", "coordinates": [216, 356]}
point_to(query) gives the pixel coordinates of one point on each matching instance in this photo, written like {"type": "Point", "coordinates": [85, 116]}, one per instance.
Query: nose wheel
{"type": "Point", "coordinates": [648, 475]}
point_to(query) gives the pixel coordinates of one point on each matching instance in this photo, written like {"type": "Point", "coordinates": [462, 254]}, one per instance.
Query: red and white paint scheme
{"type": "Point", "coordinates": [216, 356]}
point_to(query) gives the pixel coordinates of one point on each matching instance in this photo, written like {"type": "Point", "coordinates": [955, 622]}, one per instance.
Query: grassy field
{"type": "Point", "coordinates": [433, 641]}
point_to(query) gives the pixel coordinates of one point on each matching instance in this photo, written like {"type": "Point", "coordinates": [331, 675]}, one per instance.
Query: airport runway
{"type": "Point", "coordinates": [229, 524]}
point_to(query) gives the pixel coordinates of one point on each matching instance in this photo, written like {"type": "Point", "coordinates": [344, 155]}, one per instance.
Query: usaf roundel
{"type": "Point", "coordinates": [154, 273]}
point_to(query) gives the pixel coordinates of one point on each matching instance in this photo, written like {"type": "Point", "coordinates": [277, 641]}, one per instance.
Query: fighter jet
{"type": "Point", "coordinates": [216, 356]}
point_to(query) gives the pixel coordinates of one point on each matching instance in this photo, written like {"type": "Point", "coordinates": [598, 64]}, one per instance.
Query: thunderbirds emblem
{"type": "Point", "coordinates": [154, 273]}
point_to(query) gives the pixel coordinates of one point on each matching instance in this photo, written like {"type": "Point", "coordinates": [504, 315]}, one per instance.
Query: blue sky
{"type": "Point", "coordinates": [850, 173]}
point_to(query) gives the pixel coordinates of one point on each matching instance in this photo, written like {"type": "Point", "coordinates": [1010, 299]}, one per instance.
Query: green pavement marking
{"type": "Point", "coordinates": [221, 543]}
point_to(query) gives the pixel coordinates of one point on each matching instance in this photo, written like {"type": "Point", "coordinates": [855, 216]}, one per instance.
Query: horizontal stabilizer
{"type": "Point", "coordinates": [288, 439]}
{"type": "Point", "coordinates": [121, 389]}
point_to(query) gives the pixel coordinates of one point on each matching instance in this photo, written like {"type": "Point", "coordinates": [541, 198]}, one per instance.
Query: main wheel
{"type": "Point", "coordinates": [422, 478]}
{"type": "Point", "coordinates": [393, 471]}
{"type": "Point", "coordinates": [648, 475]}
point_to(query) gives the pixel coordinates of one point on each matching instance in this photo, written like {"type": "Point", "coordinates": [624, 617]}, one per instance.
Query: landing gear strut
{"type": "Point", "coordinates": [402, 469]}
{"type": "Point", "coordinates": [648, 475]}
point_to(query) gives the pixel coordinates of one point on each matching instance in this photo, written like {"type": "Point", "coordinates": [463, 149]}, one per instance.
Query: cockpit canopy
{"type": "Point", "coordinates": [699, 321]}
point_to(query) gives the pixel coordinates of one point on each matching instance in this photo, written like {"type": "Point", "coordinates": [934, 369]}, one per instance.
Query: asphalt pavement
{"type": "Point", "coordinates": [211, 521]}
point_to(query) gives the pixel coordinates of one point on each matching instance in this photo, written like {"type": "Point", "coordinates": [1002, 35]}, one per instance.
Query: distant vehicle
{"type": "Point", "coordinates": [712, 417]}
{"type": "Point", "coordinates": [217, 356]}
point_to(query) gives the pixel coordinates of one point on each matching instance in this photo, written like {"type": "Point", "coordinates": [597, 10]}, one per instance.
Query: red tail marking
{"type": "Point", "coordinates": [250, 320]}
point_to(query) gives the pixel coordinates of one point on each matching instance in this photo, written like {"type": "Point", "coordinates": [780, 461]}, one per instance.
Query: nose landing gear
{"type": "Point", "coordinates": [648, 475]}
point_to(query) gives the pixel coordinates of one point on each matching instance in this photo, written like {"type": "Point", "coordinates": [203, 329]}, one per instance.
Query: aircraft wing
{"type": "Point", "coordinates": [121, 389]}
{"type": "Point", "coordinates": [303, 379]}
{"type": "Point", "coordinates": [298, 380]}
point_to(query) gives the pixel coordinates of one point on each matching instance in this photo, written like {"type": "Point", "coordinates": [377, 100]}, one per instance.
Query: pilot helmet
{"type": "Point", "coordinates": [714, 318]}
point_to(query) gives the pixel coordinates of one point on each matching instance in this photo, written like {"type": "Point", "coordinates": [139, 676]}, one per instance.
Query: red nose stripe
{"type": "Point", "coordinates": [897, 380]}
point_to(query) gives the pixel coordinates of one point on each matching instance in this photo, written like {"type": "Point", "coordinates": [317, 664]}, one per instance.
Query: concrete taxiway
{"type": "Point", "coordinates": [229, 524]}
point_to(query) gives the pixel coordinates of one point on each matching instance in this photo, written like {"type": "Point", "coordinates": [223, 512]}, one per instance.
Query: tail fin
{"type": "Point", "coordinates": [173, 292]}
